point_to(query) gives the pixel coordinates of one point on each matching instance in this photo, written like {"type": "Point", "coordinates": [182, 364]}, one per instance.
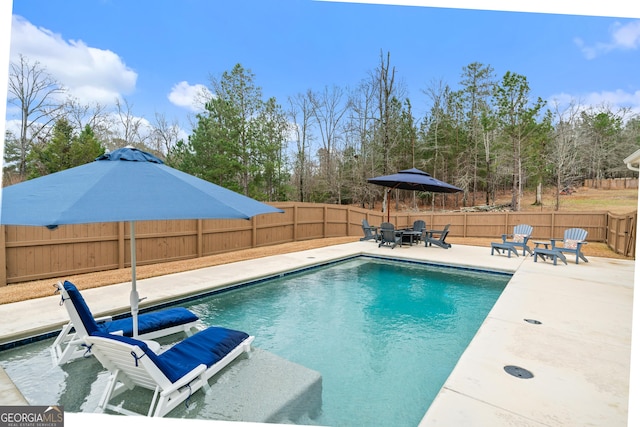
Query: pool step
{"type": "Point", "coordinates": [264, 388]}
{"type": "Point", "coordinates": [9, 393]}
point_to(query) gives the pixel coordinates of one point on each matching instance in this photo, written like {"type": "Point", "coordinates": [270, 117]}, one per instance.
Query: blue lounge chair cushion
{"type": "Point", "coordinates": [206, 347]}
{"type": "Point", "coordinates": [148, 322]}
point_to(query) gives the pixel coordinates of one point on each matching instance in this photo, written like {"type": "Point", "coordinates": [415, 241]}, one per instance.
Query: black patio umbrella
{"type": "Point", "coordinates": [413, 179]}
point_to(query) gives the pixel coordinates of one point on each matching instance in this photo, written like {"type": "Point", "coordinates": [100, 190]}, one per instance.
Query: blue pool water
{"type": "Point", "coordinates": [383, 335]}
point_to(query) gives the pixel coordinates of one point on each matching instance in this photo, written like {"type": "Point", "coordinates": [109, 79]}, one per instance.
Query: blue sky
{"type": "Point", "coordinates": [154, 54]}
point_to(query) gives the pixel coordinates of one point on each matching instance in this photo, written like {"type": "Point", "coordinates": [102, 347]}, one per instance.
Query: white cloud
{"type": "Point", "coordinates": [623, 37]}
{"type": "Point", "coordinates": [13, 126]}
{"type": "Point", "coordinates": [616, 100]}
{"type": "Point", "coordinates": [91, 75]}
{"type": "Point", "coordinates": [189, 96]}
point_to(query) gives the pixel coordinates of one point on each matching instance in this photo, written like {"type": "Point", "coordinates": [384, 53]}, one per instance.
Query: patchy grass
{"type": "Point", "coordinates": [584, 199]}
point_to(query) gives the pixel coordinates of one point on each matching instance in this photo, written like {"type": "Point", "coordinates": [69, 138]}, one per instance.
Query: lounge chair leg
{"type": "Point", "coordinates": [154, 404]}
{"type": "Point", "coordinates": [106, 396]}
{"type": "Point", "coordinates": [205, 386]}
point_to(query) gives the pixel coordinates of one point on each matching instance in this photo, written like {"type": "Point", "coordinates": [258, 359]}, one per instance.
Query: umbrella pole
{"type": "Point", "coordinates": [134, 297]}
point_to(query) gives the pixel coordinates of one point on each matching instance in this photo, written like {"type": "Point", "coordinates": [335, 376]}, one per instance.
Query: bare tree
{"type": "Point", "coordinates": [93, 115]}
{"type": "Point", "coordinates": [565, 146]}
{"type": "Point", "coordinates": [300, 111]}
{"type": "Point", "coordinates": [432, 149]}
{"type": "Point", "coordinates": [164, 135]}
{"type": "Point", "coordinates": [385, 78]}
{"type": "Point", "coordinates": [601, 126]}
{"type": "Point", "coordinates": [133, 131]}
{"type": "Point", "coordinates": [361, 130]}
{"type": "Point", "coordinates": [37, 95]}
{"type": "Point", "coordinates": [329, 107]}
{"type": "Point", "coordinates": [389, 115]}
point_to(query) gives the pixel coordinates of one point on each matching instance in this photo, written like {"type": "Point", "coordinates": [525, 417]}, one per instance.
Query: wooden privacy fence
{"type": "Point", "coordinates": [29, 253]}
{"type": "Point", "coordinates": [612, 183]}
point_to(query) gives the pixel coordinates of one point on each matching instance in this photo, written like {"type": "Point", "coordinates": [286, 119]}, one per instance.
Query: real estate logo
{"type": "Point", "coordinates": [31, 416]}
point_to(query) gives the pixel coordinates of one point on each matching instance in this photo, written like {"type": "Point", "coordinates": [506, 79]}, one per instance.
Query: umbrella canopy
{"type": "Point", "coordinates": [413, 179]}
{"type": "Point", "coordinates": [124, 185]}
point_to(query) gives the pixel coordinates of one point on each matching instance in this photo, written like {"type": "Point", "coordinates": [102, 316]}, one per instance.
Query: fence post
{"type": "Point", "coordinates": [121, 244]}
{"type": "Point", "coordinates": [295, 222]}
{"type": "Point", "coordinates": [254, 232]}
{"type": "Point", "coordinates": [629, 250]}
{"type": "Point", "coordinates": [324, 221]}
{"type": "Point", "coordinates": [464, 228]}
{"type": "Point", "coordinates": [199, 243]}
{"type": "Point", "coordinates": [506, 223]}
{"type": "Point", "coordinates": [3, 257]}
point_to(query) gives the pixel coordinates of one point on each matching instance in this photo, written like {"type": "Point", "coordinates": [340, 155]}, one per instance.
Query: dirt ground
{"type": "Point", "coordinates": [616, 201]}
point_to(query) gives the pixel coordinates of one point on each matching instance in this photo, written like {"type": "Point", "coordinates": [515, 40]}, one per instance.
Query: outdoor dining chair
{"type": "Point", "coordinates": [389, 236]}
{"type": "Point", "coordinates": [370, 233]}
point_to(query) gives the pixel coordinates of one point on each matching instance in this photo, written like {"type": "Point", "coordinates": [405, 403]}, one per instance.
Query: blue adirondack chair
{"type": "Point", "coordinates": [389, 236]}
{"type": "Point", "coordinates": [519, 238]}
{"type": "Point", "coordinates": [419, 226]}
{"type": "Point", "coordinates": [431, 239]}
{"type": "Point", "coordinates": [572, 242]}
{"type": "Point", "coordinates": [370, 233]}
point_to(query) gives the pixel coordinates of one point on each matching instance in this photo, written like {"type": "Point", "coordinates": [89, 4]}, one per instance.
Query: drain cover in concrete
{"type": "Point", "coordinates": [518, 372]}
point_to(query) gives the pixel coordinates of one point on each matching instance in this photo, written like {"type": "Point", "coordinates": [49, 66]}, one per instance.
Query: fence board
{"type": "Point", "coordinates": [30, 253]}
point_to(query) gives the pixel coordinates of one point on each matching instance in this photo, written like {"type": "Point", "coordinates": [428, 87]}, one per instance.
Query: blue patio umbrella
{"type": "Point", "coordinates": [124, 185]}
{"type": "Point", "coordinates": [413, 179]}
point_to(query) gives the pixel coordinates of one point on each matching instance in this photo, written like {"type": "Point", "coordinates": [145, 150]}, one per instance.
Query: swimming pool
{"type": "Point", "coordinates": [384, 336]}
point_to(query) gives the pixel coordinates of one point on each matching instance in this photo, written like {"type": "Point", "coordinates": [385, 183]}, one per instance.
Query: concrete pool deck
{"type": "Point", "coordinates": [579, 354]}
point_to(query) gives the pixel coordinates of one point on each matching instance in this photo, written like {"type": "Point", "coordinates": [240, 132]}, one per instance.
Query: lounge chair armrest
{"type": "Point", "coordinates": [187, 378]}
{"type": "Point", "coordinates": [553, 242]}
{"type": "Point", "coordinates": [103, 319]}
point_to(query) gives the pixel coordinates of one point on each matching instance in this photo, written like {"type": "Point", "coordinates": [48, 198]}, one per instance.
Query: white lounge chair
{"type": "Point", "coordinates": [69, 344]}
{"type": "Point", "coordinates": [173, 375]}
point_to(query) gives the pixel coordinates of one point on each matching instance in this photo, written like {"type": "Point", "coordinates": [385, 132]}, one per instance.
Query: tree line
{"type": "Point", "coordinates": [485, 134]}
